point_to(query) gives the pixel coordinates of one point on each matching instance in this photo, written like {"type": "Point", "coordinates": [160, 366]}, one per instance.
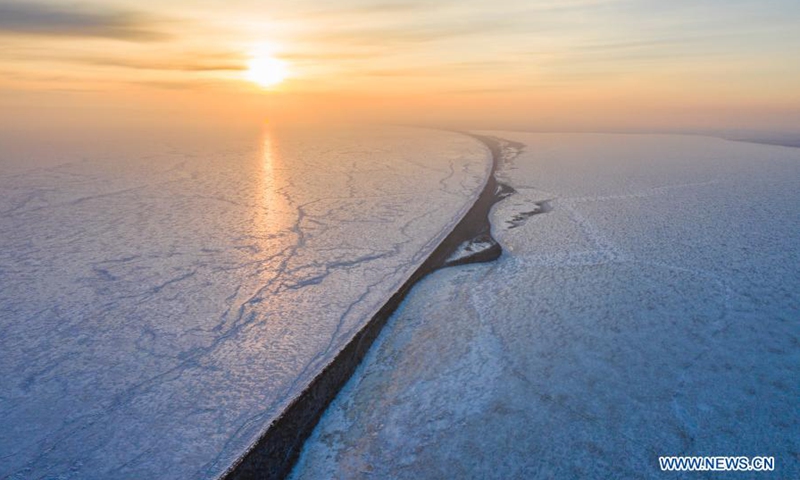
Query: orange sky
{"type": "Point", "coordinates": [546, 65]}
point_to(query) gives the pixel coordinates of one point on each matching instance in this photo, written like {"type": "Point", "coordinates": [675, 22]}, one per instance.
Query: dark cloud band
{"type": "Point", "coordinates": [54, 20]}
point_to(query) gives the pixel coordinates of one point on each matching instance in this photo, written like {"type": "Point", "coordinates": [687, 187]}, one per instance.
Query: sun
{"type": "Point", "coordinates": [266, 70]}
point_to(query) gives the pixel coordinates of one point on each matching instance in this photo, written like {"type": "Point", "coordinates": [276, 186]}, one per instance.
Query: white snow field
{"type": "Point", "coordinates": [653, 309]}
{"type": "Point", "coordinates": [158, 309]}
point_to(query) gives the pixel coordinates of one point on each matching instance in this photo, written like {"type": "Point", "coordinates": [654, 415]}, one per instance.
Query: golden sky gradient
{"type": "Point", "coordinates": [527, 64]}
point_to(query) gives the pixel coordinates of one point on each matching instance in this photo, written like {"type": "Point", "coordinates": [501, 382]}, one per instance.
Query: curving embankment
{"type": "Point", "coordinates": [470, 241]}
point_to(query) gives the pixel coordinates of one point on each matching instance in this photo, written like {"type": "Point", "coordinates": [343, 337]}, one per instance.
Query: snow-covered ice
{"type": "Point", "coordinates": [653, 308]}
{"type": "Point", "coordinates": [158, 309]}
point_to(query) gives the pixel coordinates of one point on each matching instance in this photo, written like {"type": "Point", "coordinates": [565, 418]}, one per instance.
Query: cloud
{"type": "Point", "coordinates": [374, 8]}
{"type": "Point", "coordinates": [31, 18]}
{"type": "Point", "coordinates": [408, 34]}
{"type": "Point", "coordinates": [327, 55]}
{"type": "Point", "coordinates": [443, 70]}
{"type": "Point", "coordinates": [198, 65]}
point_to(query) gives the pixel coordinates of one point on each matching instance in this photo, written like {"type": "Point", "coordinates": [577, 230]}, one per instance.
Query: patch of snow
{"type": "Point", "coordinates": [161, 305]}
{"type": "Point", "coordinates": [652, 311]}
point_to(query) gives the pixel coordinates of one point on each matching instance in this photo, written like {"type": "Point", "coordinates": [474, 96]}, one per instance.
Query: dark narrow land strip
{"type": "Point", "coordinates": [277, 450]}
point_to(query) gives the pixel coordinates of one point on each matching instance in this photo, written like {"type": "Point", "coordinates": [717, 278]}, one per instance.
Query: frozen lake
{"type": "Point", "coordinates": [647, 303]}
{"type": "Point", "coordinates": [162, 303]}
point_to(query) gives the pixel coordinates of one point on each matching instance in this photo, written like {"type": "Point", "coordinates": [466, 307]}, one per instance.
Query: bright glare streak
{"type": "Point", "coordinates": [266, 71]}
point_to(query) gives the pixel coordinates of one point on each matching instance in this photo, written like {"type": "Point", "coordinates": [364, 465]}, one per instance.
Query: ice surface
{"type": "Point", "coordinates": [652, 309]}
{"type": "Point", "coordinates": [159, 308]}
{"type": "Point", "coordinates": [468, 249]}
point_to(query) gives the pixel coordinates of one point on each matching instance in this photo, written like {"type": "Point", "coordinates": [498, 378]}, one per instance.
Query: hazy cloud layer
{"type": "Point", "coordinates": [197, 64]}
{"type": "Point", "coordinates": [30, 18]}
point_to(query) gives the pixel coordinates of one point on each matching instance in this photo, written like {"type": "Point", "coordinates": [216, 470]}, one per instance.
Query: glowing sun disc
{"type": "Point", "coordinates": [266, 71]}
